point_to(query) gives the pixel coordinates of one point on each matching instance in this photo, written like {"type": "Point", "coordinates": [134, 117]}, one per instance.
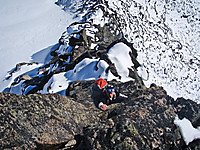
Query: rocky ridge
{"type": "Point", "coordinates": [82, 40]}
{"type": "Point", "coordinates": [52, 121]}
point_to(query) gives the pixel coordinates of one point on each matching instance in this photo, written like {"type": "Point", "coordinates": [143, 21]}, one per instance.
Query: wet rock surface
{"type": "Point", "coordinates": [52, 121]}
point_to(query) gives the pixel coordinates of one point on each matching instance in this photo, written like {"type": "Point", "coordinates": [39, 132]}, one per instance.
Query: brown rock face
{"type": "Point", "coordinates": [52, 121]}
{"type": "Point", "coordinates": [47, 119]}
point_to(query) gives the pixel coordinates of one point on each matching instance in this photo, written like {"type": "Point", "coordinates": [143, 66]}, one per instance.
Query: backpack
{"type": "Point", "coordinates": [97, 87]}
{"type": "Point", "coordinates": [101, 83]}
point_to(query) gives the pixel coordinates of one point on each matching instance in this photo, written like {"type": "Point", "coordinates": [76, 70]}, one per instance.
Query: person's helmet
{"type": "Point", "coordinates": [110, 88]}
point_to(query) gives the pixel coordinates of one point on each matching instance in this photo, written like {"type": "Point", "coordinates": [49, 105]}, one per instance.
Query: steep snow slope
{"type": "Point", "coordinates": [28, 27]}
{"type": "Point", "coordinates": [172, 57]}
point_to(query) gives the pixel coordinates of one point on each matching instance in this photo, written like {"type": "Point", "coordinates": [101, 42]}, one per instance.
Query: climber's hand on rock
{"type": "Point", "coordinates": [103, 107]}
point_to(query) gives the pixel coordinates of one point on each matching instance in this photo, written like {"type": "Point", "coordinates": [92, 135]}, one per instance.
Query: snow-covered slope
{"type": "Point", "coordinates": [165, 34]}
{"type": "Point", "coordinates": [28, 27]}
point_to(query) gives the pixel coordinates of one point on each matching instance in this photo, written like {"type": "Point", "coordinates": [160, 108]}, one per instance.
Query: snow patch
{"type": "Point", "coordinates": [188, 132]}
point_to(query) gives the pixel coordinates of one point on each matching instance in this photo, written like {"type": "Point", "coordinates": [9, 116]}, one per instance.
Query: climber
{"type": "Point", "coordinates": [104, 94]}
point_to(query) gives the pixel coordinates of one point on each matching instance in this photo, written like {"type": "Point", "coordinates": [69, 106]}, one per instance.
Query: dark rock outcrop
{"type": "Point", "coordinates": [52, 121]}
{"type": "Point", "coordinates": [49, 119]}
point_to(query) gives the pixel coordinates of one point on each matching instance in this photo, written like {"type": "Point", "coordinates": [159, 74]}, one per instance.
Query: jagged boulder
{"type": "Point", "coordinates": [44, 119]}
